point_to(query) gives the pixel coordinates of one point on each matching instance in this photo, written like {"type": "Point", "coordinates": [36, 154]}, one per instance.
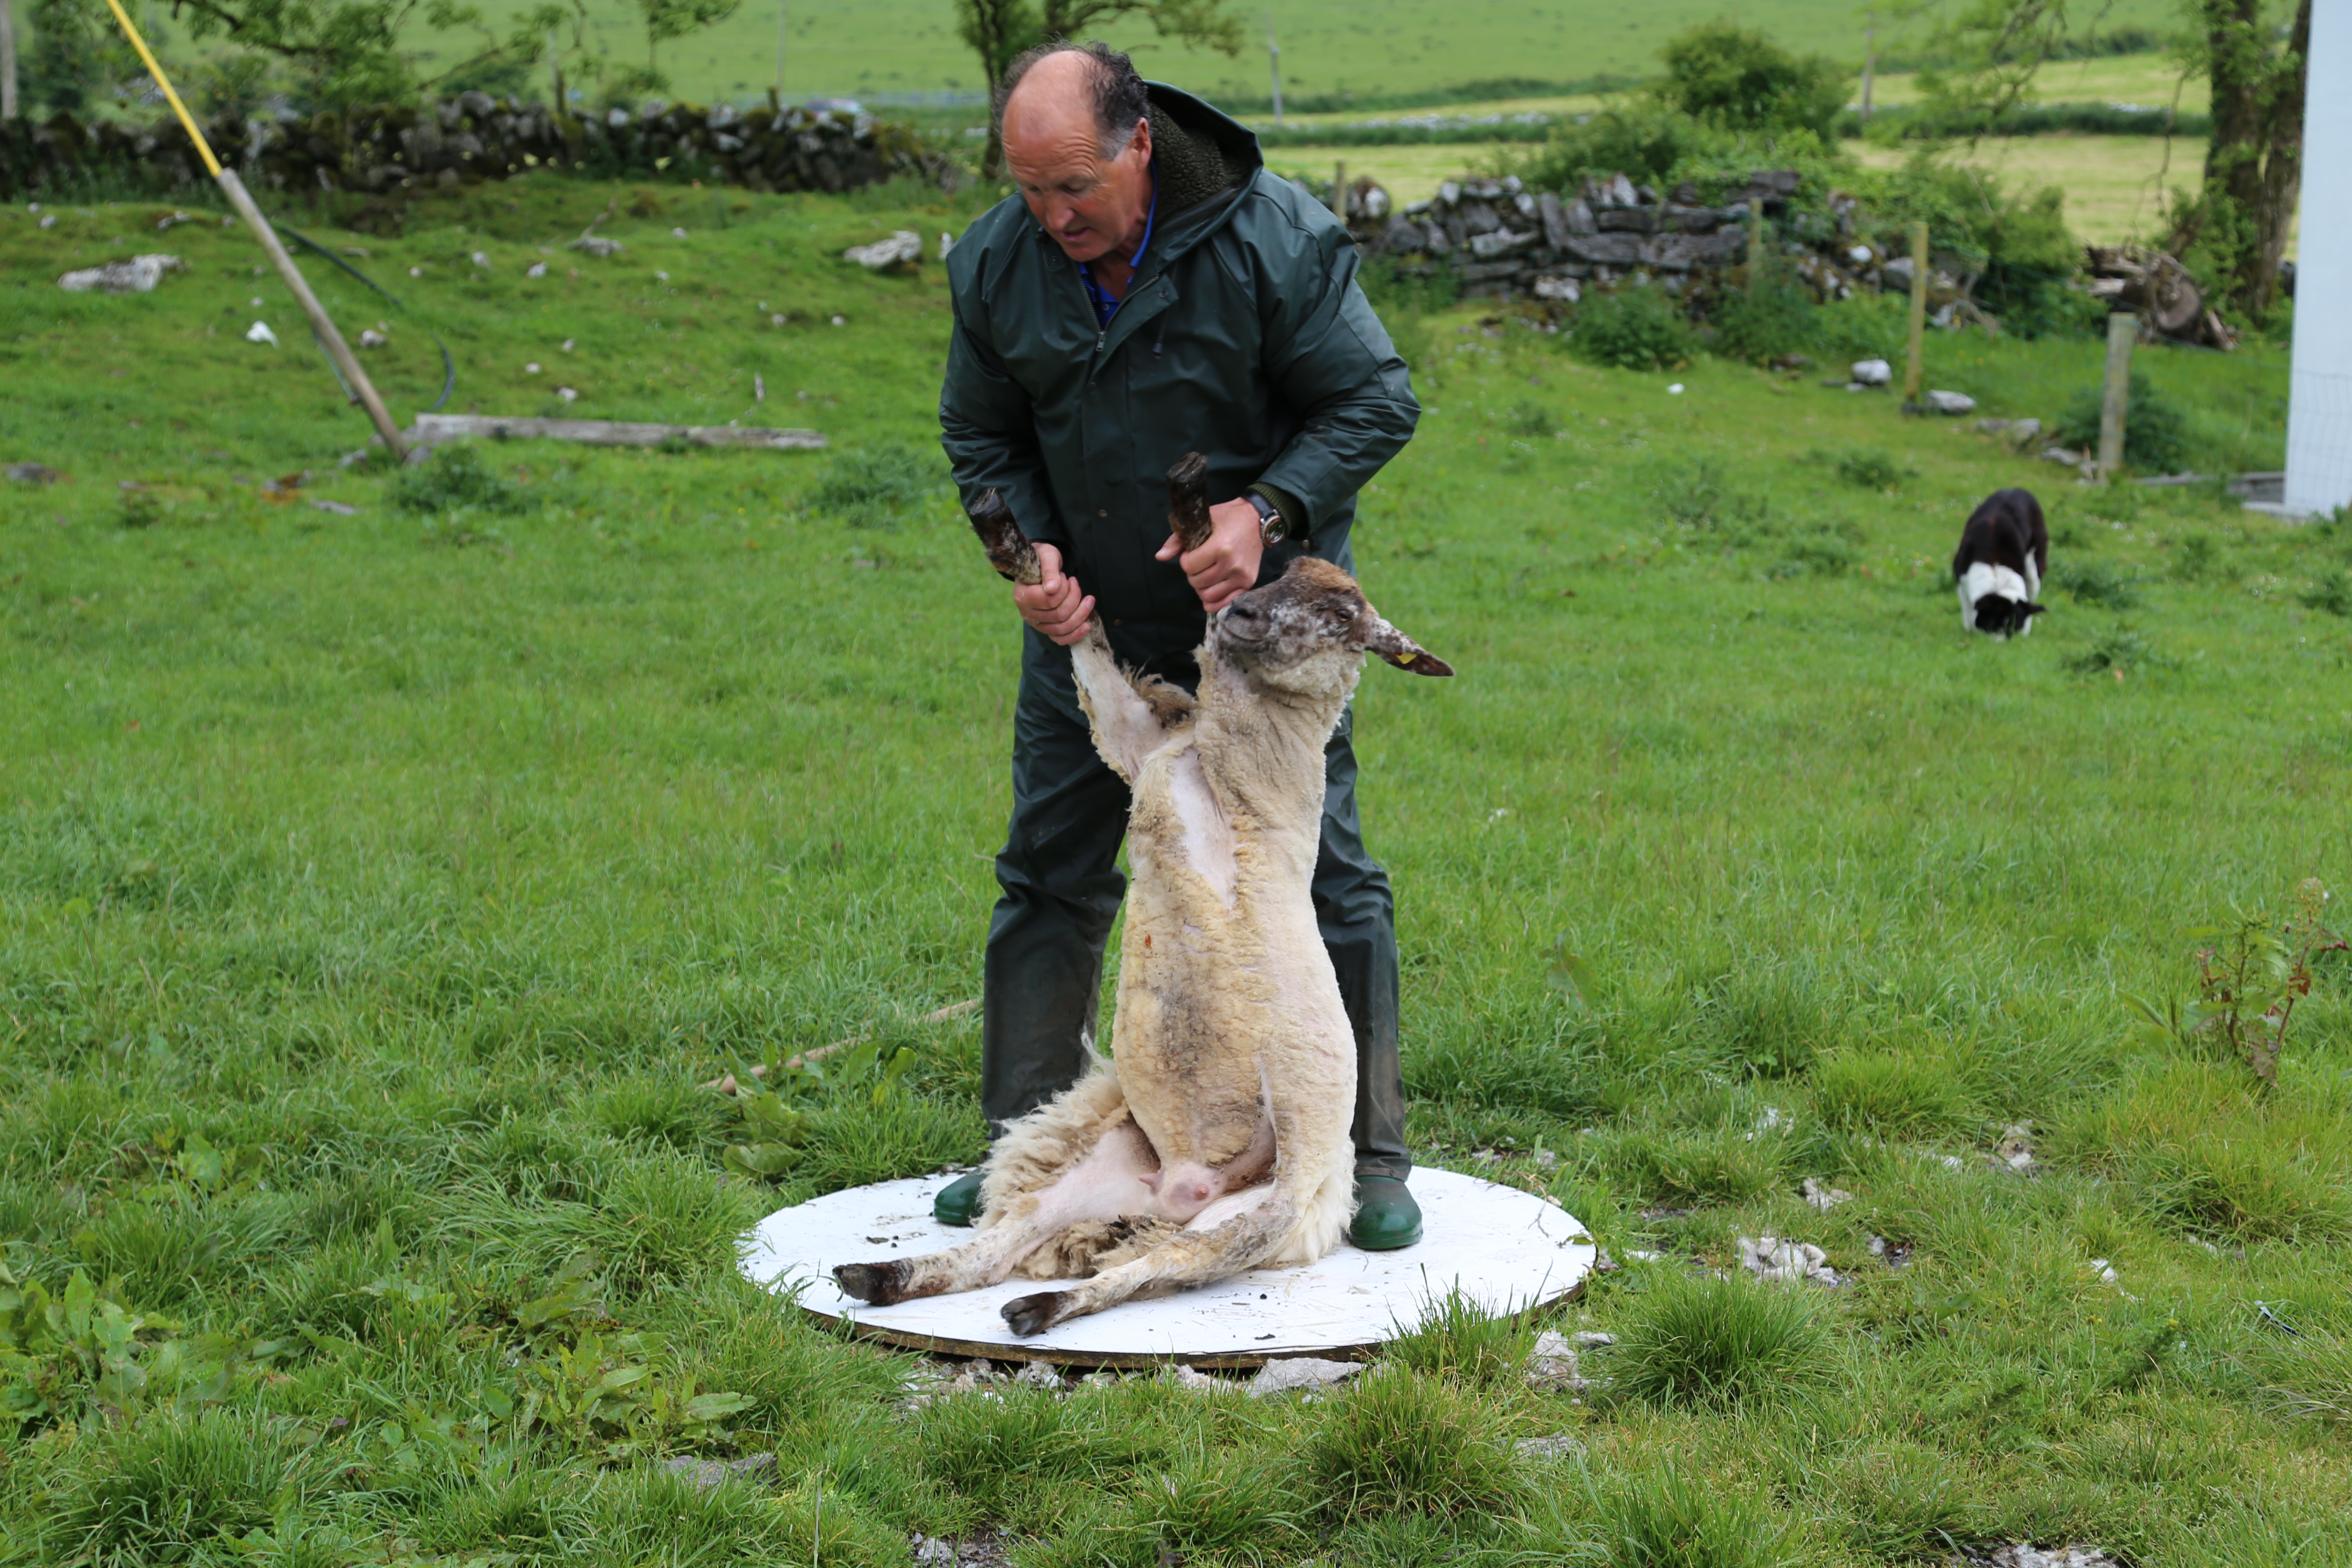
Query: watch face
{"type": "Point", "coordinates": [1271, 527]}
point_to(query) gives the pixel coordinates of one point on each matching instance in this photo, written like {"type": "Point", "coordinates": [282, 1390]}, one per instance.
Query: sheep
{"type": "Point", "coordinates": [1215, 1139]}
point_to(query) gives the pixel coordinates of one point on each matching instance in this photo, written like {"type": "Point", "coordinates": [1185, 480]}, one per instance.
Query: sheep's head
{"type": "Point", "coordinates": [1308, 631]}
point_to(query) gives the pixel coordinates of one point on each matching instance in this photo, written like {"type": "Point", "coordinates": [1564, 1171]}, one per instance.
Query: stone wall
{"type": "Point", "coordinates": [1501, 240]}
{"type": "Point", "coordinates": [467, 140]}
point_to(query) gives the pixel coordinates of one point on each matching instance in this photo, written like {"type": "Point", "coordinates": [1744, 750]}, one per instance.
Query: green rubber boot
{"type": "Point", "coordinates": [1386, 1215]}
{"type": "Point", "coordinates": [958, 1201]}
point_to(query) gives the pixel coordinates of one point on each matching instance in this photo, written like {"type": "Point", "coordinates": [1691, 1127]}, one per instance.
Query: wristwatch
{"type": "Point", "coordinates": [1271, 528]}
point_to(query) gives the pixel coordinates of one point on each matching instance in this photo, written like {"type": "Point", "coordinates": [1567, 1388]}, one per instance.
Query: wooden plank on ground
{"type": "Point", "coordinates": [432, 429]}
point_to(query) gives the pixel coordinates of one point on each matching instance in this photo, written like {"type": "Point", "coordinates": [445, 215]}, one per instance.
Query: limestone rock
{"type": "Point", "coordinates": [1300, 1372]}
{"type": "Point", "coordinates": [1774, 1257]}
{"type": "Point", "coordinates": [903, 246]}
{"type": "Point", "coordinates": [137, 276]}
{"type": "Point", "coordinates": [1552, 1364]}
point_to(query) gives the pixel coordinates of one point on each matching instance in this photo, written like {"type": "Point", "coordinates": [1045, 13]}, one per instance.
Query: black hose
{"type": "Point", "coordinates": [448, 365]}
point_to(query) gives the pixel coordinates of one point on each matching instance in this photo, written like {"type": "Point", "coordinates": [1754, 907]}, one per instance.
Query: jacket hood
{"type": "Point", "coordinates": [1202, 153]}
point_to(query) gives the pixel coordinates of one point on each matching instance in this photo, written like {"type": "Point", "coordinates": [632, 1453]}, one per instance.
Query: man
{"type": "Point", "coordinates": [1155, 291]}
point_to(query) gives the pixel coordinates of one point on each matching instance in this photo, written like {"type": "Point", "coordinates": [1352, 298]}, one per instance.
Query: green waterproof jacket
{"type": "Point", "coordinates": [1243, 336]}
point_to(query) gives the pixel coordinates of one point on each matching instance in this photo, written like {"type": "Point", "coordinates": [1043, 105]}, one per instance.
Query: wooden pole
{"type": "Point", "coordinates": [1911, 366]}
{"type": "Point", "coordinates": [1869, 58]}
{"type": "Point", "coordinates": [7, 61]}
{"type": "Point", "coordinates": [1274, 65]}
{"type": "Point", "coordinates": [2115, 397]}
{"type": "Point", "coordinates": [1340, 192]}
{"type": "Point", "coordinates": [362, 390]}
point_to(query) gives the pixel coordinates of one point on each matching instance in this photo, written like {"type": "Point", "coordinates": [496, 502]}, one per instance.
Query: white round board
{"type": "Point", "coordinates": [1506, 1250]}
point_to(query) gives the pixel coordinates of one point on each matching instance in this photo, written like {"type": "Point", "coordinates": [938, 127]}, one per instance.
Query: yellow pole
{"type": "Point", "coordinates": [362, 390]}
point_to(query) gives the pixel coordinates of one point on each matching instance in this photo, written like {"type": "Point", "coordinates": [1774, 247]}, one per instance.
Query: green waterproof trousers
{"type": "Point", "coordinates": [1062, 886]}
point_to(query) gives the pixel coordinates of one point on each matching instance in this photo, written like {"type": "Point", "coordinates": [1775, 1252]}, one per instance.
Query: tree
{"type": "Point", "coordinates": [667, 20]}
{"type": "Point", "coordinates": [2233, 231]}
{"type": "Point", "coordinates": [2254, 166]}
{"type": "Point", "coordinates": [1739, 78]}
{"type": "Point", "coordinates": [998, 30]}
{"type": "Point", "coordinates": [70, 65]}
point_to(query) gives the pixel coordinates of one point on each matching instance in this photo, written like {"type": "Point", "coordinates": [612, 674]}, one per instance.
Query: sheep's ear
{"type": "Point", "coordinates": [1403, 651]}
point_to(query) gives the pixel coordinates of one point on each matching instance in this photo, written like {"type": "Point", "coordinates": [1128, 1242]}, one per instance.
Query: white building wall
{"type": "Point", "coordinates": [2319, 412]}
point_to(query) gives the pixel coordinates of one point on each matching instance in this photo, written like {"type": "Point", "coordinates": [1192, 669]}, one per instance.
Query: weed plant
{"type": "Point", "coordinates": [373, 913]}
{"type": "Point", "coordinates": [2155, 436]}
{"type": "Point", "coordinates": [1632, 328]}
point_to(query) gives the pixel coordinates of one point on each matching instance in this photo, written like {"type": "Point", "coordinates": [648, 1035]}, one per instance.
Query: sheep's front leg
{"type": "Point", "coordinates": [1242, 1229]}
{"type": "Point", "coordinates": [1102, 1185]}
{"type": "Point", "coordinates": [1130, 716]}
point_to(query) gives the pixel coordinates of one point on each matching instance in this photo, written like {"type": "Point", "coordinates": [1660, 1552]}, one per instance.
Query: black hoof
{"type": "Point", "coordinates": [1035, 1314]}
{"type": "Point", "coordinates": [875, 1284]}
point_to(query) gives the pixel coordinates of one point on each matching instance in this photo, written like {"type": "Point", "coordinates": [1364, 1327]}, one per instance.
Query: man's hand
{"type": "Point", "coordinates": [1227, 564]}
{"type": "Point", "coordinates": [1057, 606]}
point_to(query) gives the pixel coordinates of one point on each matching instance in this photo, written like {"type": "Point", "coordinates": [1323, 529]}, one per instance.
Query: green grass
{"type": "Point", "coordinates": [375, 889]}
{"type": "Point", "coordinates": [1366, 47]}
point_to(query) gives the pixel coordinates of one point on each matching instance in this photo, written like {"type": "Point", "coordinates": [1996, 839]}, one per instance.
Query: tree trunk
{"type": "Point", "coordinates": [7, 61]}
{"type": "Point", "coordinates": [2254, 166]}
{"type": "Point", "coordinates": [996, 30]}
{"type": "Point", "coordinates": [2282, 174]}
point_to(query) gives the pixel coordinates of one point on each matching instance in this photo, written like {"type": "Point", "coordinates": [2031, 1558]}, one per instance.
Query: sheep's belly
{"type": "Point", "coordinates": [1211, 1023]}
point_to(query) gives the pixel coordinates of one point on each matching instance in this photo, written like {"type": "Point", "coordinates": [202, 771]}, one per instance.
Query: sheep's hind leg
{"type": "Point", "coordinates": [1239, 1241]}
{"type": "Point", "coordinates": [1103, 1186]}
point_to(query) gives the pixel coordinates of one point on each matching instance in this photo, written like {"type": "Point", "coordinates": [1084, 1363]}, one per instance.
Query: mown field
{"type": "Point", "coordinates": [377, 888]}
{"type": "Point", "coordinates": [1327, 46]}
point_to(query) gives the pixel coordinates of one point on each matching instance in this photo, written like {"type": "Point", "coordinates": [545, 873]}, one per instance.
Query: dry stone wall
{"type": "Point", "coordinates": [1501, 240]}
{"type": "Point", "coordinates": [467, 140]}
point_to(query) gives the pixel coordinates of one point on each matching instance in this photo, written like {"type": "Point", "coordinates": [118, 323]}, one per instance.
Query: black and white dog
{"type": "Point", "coordinates": [2004, 551]}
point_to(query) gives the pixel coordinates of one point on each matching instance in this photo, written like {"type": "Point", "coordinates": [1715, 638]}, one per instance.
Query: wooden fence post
{"type": "Point", "coordinates": [2115, 395]}
{"type": "Point", "coordinates": [7, 61]}
{"type": "Point", "coordinates": [1339, 192]}
{"type": "Point", "coordinates": [1912, 370]}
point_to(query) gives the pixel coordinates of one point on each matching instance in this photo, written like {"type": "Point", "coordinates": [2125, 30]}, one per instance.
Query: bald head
{"type": "Point", "coordinates": [1090, 81]}
{"type": "Point", "coordinates": [1077, 141]}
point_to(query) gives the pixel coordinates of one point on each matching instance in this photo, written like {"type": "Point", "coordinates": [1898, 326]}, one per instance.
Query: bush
{"type": "Point", "coordinates": [1397, 288]}
{"type": "Point", "coordinates": [2156, 434]}
{"type": "Point", "coordinates": [1643, 140]}
{"type": "Point", "coordinates": [1761, 322]}
{"type": "Point", "coordinates": [2017, 242]}
{"type": "Point", "coordinates": [1635, 328]}
{"type": "Point", "coordinates": [1703, 1340]}
{"type": "Point", "coordinates": [876, 487]}
{"type": "Point", "coordinates": [452, 479]}
{"type": "Point", "coordinates": [1739, 78]}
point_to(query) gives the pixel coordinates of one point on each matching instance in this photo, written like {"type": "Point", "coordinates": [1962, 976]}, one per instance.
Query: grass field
{"type": "Point", "coordinates": [1327, 46]}
{"type": "Point", "coordinates": [2116, 186]}
{"type": "Point", "coordinates": [375, 889]}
